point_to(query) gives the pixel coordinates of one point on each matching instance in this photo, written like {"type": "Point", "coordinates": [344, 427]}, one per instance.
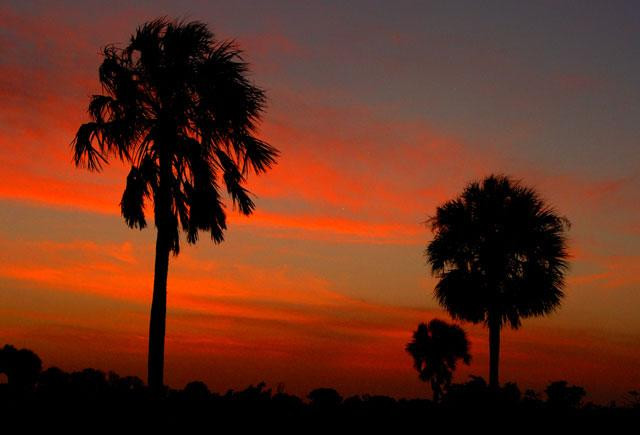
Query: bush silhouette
{"type": "Point", "coordinates": [196, 390]}
{"type": "Point", "coordinates": [22, 368]}
{"type": "Point", "coordinates": [54, 382]}
{"type": "Point", "coordinates": [564, 396]}
{"type": "Point", "coordinates": [325, 398]}
{"type": "Point", "coordinates": [89, 383]}
{"type": "Point", "coordinates": [131, 386]}
{"type": "Point", "coordinates": [257, 393]}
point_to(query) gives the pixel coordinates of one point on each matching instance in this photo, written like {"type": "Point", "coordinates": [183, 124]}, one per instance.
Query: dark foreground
{"type": "Point", "coordinates": [93, 401]}
{"type": "Point", "coordinates": [89, 401]}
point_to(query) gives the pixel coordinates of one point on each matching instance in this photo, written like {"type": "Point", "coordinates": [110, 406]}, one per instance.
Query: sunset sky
{"type": "Point", "coordinates": [381, 111]}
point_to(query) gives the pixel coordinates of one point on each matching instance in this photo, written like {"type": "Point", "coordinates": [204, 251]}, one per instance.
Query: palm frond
{"type": "Point", "coordinates": [234, 179]}
{"type": "Point", "coordinates": [84, 154]}
{"type": "Point", "coordinates": [132, 203]}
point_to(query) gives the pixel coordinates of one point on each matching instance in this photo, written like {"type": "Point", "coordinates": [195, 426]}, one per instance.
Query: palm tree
{"type": "Point", "coordinates": [177, 106]}
{"type": "Point", "coordinates": [500, 255]}
{"type": "Point", "coordinates": [435, 348]}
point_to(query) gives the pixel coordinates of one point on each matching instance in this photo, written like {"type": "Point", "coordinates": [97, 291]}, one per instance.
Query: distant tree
{"type": "Point", "coordinates": [510, 393]}
{"type": "Point", "coordinates": [435, 348]}
{"type": "Point", "coordinates": [125, 385]}
{"type": "Point", "coordinates": [21, 366]}
{"type": "Point", "coordinates": [177, 106]}
{"type": "Point", "coordinates": [531, 399]}
{"type": "Point", "coordinates": [253, 393]}
{"type": "Point", "coordinates": [89, 383]}
{"type": "Point", "coordinates": [500, 255]}
{"type": "Point", "coordinates": [283, 400]}
{"type": "Point", "coordinates": [196, 390]}
{"type": "Point", "coordinates": [54, 382]}
{"type": "Point", "coordinates": [473, 393]}
{"type": "Point", "coordinates": [564, 396]}
{"type": "Point", "coordinates": [325, 398]}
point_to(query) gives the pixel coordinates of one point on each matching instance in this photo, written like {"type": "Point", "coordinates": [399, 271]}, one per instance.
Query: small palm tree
{"type": "Point", "coordinates": [436, 347]}
{"type": "Point", "coordinates": [500, 255]}
{"type": "Point", "coordinates": [177, 106]}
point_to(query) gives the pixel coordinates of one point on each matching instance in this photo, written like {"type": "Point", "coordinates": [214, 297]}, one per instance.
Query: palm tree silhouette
{"type": "Point", "coordinates": [500, 255]}
{"type": "Point", "coordinates": [178, 107]}
{"type": "Point", "coordinates": [435, 348]}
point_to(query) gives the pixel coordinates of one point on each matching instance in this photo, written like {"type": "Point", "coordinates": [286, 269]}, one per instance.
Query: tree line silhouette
{"type": "Point", "coordinates": [128, 400]}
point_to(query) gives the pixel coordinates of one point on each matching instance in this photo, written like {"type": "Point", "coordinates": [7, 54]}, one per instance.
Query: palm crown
{"type": "Point", "coordinates": [498, 248]}
{"type": "Point", "coordinates": [178, 107]}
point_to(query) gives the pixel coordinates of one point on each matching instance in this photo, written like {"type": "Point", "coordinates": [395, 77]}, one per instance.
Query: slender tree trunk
{"type": "Point", "coordinates": [494, 351]}
{"type": "Point", "coordinates": [158, 314]}
{"type": "Point", "coordinates": [157, 323]}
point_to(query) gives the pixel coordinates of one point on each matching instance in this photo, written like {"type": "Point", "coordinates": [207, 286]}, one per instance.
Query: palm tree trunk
{"type": "Point", "coordinates": [157, 322]}
{"type": "Point", "coordinates": [158, 313]}
{"type": "Point", "coordinates": [494, 351]}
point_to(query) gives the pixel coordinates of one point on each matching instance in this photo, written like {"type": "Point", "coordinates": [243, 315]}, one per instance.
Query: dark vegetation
{"type": "Point", "coordinates": [88, 396]}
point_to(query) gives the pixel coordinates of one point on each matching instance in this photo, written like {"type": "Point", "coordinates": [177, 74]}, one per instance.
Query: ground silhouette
{"type": "Point", "coordinates": [179, 108]}
{"type": "Point", "coordinates": [91, 398]}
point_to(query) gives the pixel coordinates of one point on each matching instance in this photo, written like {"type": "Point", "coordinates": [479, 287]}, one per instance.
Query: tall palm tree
{"type": "Point", "coordinates": [177, 106]}
{"type": "Point", "coordinates": [500, 255]}
{"type": "Point", "coordinates": [436, 347]}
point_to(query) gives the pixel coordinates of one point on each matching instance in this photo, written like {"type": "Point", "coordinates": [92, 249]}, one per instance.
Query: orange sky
{"type": "Point", "coordinates": [325, 283]}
